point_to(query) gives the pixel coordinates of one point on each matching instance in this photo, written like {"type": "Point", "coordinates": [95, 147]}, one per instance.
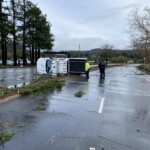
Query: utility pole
{"type": "Point", "coordinates": [79, 51]}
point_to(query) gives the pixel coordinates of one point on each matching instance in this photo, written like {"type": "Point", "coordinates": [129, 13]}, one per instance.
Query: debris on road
{"type": "Point", "coordinates": [79, 94]}
{"type": "Point", "coordinates": [5, 136]}
{"type": "Point", "coordinates": [39, 107]}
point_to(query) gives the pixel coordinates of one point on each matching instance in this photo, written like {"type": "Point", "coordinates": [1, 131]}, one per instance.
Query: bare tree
{"type": "Point", "coordinates": [139, 28]}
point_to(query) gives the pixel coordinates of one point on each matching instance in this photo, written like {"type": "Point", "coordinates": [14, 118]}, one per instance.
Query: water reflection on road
{"type": "Point", "coordinates": [11, 77]}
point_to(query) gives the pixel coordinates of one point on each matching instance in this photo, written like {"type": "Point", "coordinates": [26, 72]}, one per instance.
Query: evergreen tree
{"type": "Point", "coordinates": [23, 22]}
{"type": "Point", "coordinates": [38, 32]}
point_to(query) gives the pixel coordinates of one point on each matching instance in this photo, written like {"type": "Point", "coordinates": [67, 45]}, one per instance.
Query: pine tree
{"type": "Point", "coordinates": [38, 31]}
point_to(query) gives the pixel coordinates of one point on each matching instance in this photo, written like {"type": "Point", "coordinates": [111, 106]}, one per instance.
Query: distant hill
{"type": "Point", "coordinates": [126, 53]}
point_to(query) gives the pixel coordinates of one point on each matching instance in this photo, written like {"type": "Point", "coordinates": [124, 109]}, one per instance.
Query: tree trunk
{"type": "Point", "coordinates": [3, 50]}
{"type": "Point", "coordinates": [36, 55]}
{"type": "Point", "coordinates": [14, 46]}
{"type": "Point", "coordinates": [39, 53]}
{"type": "Point", "coordinates": [2, 36]}
{"type": "Point", "coordinates": [32, 59]}
{"type": "Point", "coordinates": [14, 34]}
{"type": "Point", "coordinates": [30, 53]}
{"type": "Point", "coordinates": [5, 53]}
{"type": "Point", "coordinates": [24, 36]}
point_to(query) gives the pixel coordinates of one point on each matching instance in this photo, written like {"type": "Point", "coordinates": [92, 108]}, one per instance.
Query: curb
{"type": "Point", "coordinates": [9, 98]}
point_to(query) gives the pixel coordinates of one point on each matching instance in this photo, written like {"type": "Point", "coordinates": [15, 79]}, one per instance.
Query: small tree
{"type": "Point", "coordinates": [105, 52]}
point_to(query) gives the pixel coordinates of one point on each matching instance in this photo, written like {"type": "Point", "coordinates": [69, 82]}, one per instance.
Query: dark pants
{"type": "Point", "coordinates": [102, 73]}
{"type": "Point", "coordinates": [87, 74]}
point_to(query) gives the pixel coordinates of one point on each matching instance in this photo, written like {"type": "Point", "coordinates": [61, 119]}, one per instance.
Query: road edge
{"type": "Point", "coordinates": [9, 98]}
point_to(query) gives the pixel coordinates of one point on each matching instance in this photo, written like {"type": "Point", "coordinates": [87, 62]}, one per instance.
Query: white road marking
{"type": "Point", "coordinates": [108, 82]}
{"type": "Point", "coordinates": [91, 148]}
{"type": "Point", "coordinates": [147, 79]}
{"type": "Point", "coordinates": [101, 106]}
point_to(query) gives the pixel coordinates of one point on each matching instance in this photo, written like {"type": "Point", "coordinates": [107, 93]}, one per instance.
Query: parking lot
{"type": "Point", "coordinates": [16, 76]}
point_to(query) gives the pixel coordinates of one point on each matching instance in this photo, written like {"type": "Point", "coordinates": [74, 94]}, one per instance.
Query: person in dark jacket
{"type": "Point", "coordinates": [102, 66]}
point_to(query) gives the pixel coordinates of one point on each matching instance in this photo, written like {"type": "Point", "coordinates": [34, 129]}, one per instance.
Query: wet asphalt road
{"type": "Point", "coordinates": [113, 114]}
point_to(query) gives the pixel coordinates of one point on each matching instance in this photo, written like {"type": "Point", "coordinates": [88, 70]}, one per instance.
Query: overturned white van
{"type": "Point", "coordinates": [63, 66]}
{"type": "Point", "coordinates": [55, 67]}
{"type": "Point", "coordinates": [44, 66]}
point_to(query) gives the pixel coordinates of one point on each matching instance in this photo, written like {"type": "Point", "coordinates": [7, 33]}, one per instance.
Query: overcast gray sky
{"type": "Point", "coordinates": [90, 23]}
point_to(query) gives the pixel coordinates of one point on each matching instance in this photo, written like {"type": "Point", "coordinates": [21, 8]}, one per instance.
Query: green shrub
{"type": "Point", "coordinates": [119, 59]}
{"type": "Point", "coordinates": [145, 67]}
{"type": "Point", "coordinates": [40, 86]}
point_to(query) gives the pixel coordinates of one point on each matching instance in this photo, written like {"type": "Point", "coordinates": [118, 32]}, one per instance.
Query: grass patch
{"type": "Point", "coordinates": [79, 94]}
{"type": "Point", "coordinates": [39, 107]}
{"type": "Point", "coordinates": [7, 92]}
{"type": "Point", "coordinates": [5, 136]}
{"type": "Point", "coordinates": [40, 85]}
